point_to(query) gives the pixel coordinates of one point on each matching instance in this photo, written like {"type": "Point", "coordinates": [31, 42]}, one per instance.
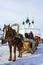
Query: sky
{"type": "Point", "coordinates": [16, 11]}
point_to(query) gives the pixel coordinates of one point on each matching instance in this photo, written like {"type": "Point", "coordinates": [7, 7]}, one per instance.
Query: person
{"type": "Point", "coordinates": [29, 35]}
{"type": "Point", "coordinates": [32, 39]}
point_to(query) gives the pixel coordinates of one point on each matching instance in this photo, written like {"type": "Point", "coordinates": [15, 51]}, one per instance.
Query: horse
{"type": "Point", "coordinates": [14, 39]}
{"type": "Point", "coordinates": [17, 41]}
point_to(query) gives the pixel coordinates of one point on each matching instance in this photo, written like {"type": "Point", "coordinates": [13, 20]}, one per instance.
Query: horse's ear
{"type": "Point", "coordinates": [9, 25]}
{"type": "Point", "coordinates": [4, 24]}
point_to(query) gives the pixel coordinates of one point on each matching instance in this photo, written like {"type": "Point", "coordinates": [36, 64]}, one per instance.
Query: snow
{"type": "Point", "coordinates": [27, 58]}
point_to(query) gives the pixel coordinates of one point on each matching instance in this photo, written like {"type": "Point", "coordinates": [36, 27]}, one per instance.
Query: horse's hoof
{"type": "Point", "coordinates": [14, 60]}
{"type": "Point", "coordinates": [19, 56]}
{"type": "Point", "coordinates": [9, 59]}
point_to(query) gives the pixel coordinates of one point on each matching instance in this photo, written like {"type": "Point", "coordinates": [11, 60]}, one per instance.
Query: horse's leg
{"type": "Point", "coordinates": [20, 52]}
{"type": "Point", "coordinates": [14, 53]}
{"type": "Point", "coordinates": [10, 50]}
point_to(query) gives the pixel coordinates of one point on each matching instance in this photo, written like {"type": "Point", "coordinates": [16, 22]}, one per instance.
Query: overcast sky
{"type": "Point", "coordinates": [16, 11]}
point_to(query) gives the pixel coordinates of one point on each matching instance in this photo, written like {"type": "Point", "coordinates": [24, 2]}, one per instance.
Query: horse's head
{"type": "Point", "coordinates": [7, 31]}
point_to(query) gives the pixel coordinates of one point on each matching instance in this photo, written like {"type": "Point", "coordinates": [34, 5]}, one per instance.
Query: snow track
{"type": "Point", "coordinates": [27, 59]}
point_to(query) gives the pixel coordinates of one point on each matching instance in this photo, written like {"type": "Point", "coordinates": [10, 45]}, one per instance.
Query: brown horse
{"type": "Point", "coordinates": [14, 39]}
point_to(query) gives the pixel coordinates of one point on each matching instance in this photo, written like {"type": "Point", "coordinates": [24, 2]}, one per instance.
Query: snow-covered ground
{"type": "Point", "coordinates": [27, 59]}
